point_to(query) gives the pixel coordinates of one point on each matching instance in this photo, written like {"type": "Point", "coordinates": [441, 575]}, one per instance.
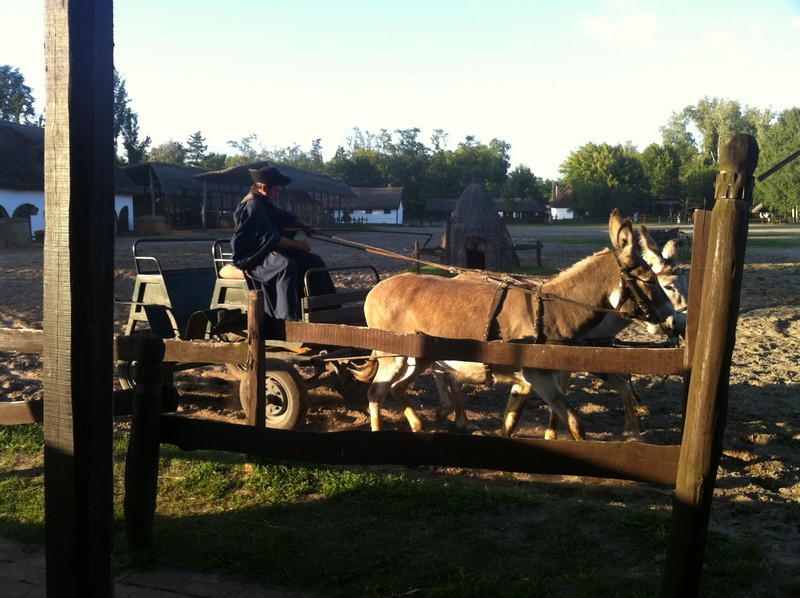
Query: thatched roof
{"type": "Point", "coordinates": [526, 205]}
{"type": "Point", "coordinates": [374, 198]}
{"type": "Point", "coordinates": [21, 156]}
{"type": "Point", "coordinates": [302, 180]}
{"type": "Point", "coordinates": [564, 199]}
{"type": "Point", "coordinates": [440, 206]}
{"type": "Point", "coordinates": [171, 178]}
{"type": "Point", "coordinates": [22, 160]}
{"type": "Point", "coordinates": [477, 232]}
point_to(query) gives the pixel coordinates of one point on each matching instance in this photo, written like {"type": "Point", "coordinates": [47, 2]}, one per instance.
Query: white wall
{"type": "Point", "coordinates": [11, 199]}
{"type": "Point", "coordinates": [376, 217]}
{"type": "Point", "coordinates": [561, 214]}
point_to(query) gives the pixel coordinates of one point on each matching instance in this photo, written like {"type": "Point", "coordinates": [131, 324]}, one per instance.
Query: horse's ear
{"type": "Point", "coordinates": [650, 251]}
{"type": "Point", "coordinates": [670, 251]}
{"type": "Point", "coordinates": [620, 231]}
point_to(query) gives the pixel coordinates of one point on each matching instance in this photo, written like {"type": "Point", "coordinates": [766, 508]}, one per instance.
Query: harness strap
{"type": "Point", "coordinates": [499, 294]}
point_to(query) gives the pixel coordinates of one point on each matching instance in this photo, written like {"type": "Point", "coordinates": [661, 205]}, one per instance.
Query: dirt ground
{"type": "Point", "coordinates": [758, 485]}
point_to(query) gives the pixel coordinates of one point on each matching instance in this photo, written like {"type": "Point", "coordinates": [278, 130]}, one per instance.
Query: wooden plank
{"type": "Point", "coordinates": [78, 298]}
{"type": "Point", "coordinates": [21, 340]}
{"type": "Point", "coordinates": [619, 460]}
{"type": "Point", "coordinates": [21, 412]}
{"type": "Point", "coordinates": [620, 360]}
{"type": "Point", "coordinates": [186, 351]}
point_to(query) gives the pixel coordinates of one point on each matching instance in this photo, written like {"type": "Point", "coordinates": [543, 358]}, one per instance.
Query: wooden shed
{"type": "Point", "coordinates": [476, 235]}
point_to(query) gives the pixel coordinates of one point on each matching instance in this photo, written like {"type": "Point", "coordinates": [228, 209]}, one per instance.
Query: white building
{"type": "Point", "coordinates": [22, 179]}
{"type": "Point", "coordinates": [372, 205]}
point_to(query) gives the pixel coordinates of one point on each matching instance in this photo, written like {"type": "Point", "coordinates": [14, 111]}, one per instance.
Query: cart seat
{"type": "Point", "coordinates": [231, 272]}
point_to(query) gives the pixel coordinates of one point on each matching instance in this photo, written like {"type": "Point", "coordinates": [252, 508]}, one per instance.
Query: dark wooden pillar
{"type": "Point", "coordinates": [707, 405]}
{"type": "Point", "coordinates": [78, 298]}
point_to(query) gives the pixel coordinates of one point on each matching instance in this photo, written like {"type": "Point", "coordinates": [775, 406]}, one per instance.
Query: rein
{"type": "Point", "coordinates": [506, 281]}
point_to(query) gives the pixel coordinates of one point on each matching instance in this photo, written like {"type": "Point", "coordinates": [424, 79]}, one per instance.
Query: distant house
{"type": "Point", "coordinates": [512, 209]}
{"type": "Point", "coordinates": [373, 205]}
{"type": "Point", "coordinates": [515, 209]}
{"type": "Point", "coordinates": [561, 206]}
{"type": "Point", "coordinates": [22, 179]}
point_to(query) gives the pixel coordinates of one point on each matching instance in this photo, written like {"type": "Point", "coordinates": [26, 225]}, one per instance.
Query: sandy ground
{"type": "Point", "coordinates": [758, 486]}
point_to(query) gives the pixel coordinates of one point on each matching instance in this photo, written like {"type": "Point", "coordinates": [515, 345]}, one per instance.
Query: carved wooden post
{"type": "Point", "coordinates": [78, 298]}
{"type": "Point", "coordinates": [708, 389]}
{"type": "Point", "coordinates": [141, 464]}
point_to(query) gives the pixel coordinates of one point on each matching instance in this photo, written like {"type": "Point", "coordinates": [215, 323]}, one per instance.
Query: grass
{"type": "Point", "coordinates": [379, 532]}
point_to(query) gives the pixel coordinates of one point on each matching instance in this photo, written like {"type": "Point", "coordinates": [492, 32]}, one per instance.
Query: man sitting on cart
{"type": "Point", "coordinates": [264, 246]}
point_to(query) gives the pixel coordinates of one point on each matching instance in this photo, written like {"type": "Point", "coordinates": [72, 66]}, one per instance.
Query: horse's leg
{"type": "Point", "coordinates": [546, 384]}
{"type": "Point", "coordinates": [441, 379]}
{"type": "Point", "coordinates": [520, 393]}
{"type": "Point", "coordinates": [622, 384]}
{"type": "Point", "coordinates": [389, 369]}
{"type": "Point", "coordinates": [413, 368]}
{"type": "Point", "coordinates": [457, 403]}
{"type": "Point", "coordinates": [552, 424]}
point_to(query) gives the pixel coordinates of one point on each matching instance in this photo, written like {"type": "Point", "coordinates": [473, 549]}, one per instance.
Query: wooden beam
{"type": "Point", "coordinates": [619, 460]}
{"type": "Point", "coordinates": [78, 298]}
{"type": "Point", "coordinates": [619, 360]}
{"type": "Point", "coordinates": [21, 340]}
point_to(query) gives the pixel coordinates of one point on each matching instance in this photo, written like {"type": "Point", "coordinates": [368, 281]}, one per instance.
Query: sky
{"type": "Point", "coordinates": [545, 76]}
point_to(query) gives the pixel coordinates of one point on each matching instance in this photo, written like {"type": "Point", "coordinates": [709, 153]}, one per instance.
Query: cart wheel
{"type": "Point", "coordinates": [126, 374]}
{"type": "Point", "coordinates": [286, 398]}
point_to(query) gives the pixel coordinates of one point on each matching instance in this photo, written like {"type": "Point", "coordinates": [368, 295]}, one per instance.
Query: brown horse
{"type": "Point", "coordinates": [578, 299]}
{"type": "Point", "coordinates": [674, 280]}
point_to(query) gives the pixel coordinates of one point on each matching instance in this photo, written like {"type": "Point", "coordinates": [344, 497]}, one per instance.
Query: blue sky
{"type": "Point", "coordinates": [545, 76]}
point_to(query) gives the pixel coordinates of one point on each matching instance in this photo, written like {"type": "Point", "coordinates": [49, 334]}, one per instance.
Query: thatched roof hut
{"type": "Point", "coordinates": [476, 236]}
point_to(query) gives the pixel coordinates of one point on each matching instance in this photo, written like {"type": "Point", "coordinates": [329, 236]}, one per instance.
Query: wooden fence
{"type": "Point", "coordinates": [704, 361]}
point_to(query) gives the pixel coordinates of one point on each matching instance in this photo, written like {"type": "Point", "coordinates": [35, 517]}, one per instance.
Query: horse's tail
{"type": "Point", "coordinates": [366, 371]}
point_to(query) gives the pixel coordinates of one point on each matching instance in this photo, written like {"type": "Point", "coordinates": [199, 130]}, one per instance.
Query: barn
{"type": "Point", "coordinates": [22, 180]}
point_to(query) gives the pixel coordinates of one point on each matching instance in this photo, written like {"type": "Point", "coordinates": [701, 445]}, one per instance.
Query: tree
{"type": "Point", "coordinates": [604, 177]}
{"type": "Point", "coordinates": [16, 98]}
{"type": "Point", "coordinates": [214, 161]}
{"type": "Point", "coordinates": [523, 183]}
{"type": "Point", "coordinates": [714, 120]}
{"type": "Point", "coordinates": [195, 151]}
{"type": "Point", "coordinates": [170, 152]}
{"type": "Point", "coordinates": [662, 166]}
{"type": "Point", "coordinates": [126, 125]}
{"type": "Point", "coordinates": [781, 190]}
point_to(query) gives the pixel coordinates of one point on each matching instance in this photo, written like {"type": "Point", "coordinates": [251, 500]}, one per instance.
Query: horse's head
{"type": "Point", "coordinates": [641, 294]}
{"type": "Point", "coordinates": [673, 278]}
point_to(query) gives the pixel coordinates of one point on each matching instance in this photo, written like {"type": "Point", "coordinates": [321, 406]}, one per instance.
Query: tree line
{"type": "Point", "coordinates": [681, 170]}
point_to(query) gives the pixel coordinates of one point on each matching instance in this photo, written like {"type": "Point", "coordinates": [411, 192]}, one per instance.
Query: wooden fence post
{"type": "Point", "coordinates": [141, 464]}
{"type": "Point", "coordinates": [706, 410]}
{"type": "Point", "coordinates": [252, 387]}
{"type": "Point", "coordinates": [78, 298]}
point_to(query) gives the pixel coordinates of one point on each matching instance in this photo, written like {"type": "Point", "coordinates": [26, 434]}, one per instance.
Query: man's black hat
{"type": "Point", "coordinates": [270, 176]}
